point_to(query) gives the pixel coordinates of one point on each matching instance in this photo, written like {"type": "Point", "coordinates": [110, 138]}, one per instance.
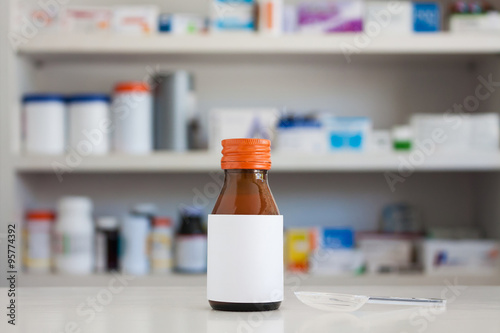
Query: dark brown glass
{"type": "Point", "coordinates": [245, 192]}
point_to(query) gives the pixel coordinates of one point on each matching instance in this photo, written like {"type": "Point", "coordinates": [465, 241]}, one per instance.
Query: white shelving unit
{"type": "Point", "coordinates": [439, 43]}
{"type": "Point", "coordinates": [389, 80]}
{"type": "Point", "coordinates": [205, 162]}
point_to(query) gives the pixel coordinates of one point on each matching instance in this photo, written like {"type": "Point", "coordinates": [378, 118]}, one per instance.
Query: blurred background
{"type": "Point", "coordinates": [383, 117]}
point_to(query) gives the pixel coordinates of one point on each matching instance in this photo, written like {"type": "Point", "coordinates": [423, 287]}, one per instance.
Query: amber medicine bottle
{"type": "Point", "coordinates": [245, 233]}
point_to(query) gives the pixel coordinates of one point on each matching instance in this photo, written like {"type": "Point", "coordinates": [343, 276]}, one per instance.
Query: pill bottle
{"type": "Point", "coordinates": [132, 114]}
{"type": "Point", "coordinates": [89, 124]}
{"type": "Point", "coordinates": [191, 242]}
{"type": "Point", "coordinates": [38, 242]}
{"type": "Point", "coordinates": [135, 232]}
{"type": "Point", "coordinates": [74, 236]}
{"type": "Point", "coordinates": [107, 244]}
{"type": "Point", "coordinates": [245, 233]}
{"type": "Point", "coordinates": [161, 245]}
{"type": "Point", "coordinates": [44, 124]}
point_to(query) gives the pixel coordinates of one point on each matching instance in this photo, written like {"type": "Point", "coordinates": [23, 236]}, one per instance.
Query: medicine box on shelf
{"type": "Point", "coordinates": [460, 257]}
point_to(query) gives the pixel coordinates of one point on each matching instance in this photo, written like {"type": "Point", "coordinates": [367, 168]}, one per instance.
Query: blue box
{"type": "Point", "coordinates": [165, 23]}
{"type": "Point", "coordinates": [336, 238]}
{"type": "Point", "coordinates": [426, 17]}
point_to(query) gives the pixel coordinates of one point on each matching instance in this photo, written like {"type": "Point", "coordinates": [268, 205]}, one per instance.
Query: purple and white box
{"type": "Point", "coordinates": [330, 16]}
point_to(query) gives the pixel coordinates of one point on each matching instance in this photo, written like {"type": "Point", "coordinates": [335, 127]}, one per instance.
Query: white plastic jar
{"type": "Point", "coordinates": [38, 253]}
{"type": "Point", "coordinates": [74, 236]}
{"type": "Point", "coordinates": [44, 116]}
{"type": "Point", "coordinates": [132, 114]}
{"type": "Point", "coordinates": [89, 124]}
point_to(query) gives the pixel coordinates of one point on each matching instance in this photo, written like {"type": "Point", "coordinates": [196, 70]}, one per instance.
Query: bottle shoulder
{"type": "Point", "coordinates": [249, 204]}
{"type": "Point", "coordinates": [246, 192]}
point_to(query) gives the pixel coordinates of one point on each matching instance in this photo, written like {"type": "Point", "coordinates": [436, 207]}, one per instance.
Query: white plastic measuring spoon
{"type": "Point", "coordinates": [348, 303]}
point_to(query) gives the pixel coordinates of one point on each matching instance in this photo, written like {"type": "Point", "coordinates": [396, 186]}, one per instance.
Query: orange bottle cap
{"type": "Point", "coordinates": [246, 154]}
{"type": "Point", "coordinates": [132, 87]}
{"type": "Point", "coordinates": [40, 215]}
{"type": "Point", "coordinates": [161, 221]}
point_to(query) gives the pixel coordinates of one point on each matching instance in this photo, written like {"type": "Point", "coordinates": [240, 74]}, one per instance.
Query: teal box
{"type": "Point", "coordinates": [233, 15]}
{"type": "Point", "coordinates": [347, 133]}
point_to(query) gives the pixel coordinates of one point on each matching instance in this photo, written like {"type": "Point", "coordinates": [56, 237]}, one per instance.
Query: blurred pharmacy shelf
{"type": "Point", "coordinates": [395, 77]}
{"type": "Point", "coordinates": [205, 161]}
{"type": "Point", "coordinates": [291, 280]}
{"type": "Point", "coordinates": [438, 43]}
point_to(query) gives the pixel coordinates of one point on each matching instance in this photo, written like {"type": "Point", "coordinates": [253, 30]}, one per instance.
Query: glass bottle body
{"type": "Point", "coordinates": [245, 192]}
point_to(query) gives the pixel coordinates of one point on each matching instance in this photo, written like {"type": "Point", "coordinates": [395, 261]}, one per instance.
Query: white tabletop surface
{"type": "Point", "coordinates": [122, 308]}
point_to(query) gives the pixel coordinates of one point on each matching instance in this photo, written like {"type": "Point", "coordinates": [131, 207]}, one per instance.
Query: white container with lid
{"type": "Point", "coordinates": [135, 233]}
{"type": "Point", "coordinates": [89, 124]}
{"type": "Point", "coordinates": [136, 228]}
{"type": "Point", "coordinates": [132, 113]}
{"type": "Point", "coordinates": [44, 124]}
{"type": "Point", "coordinates": [74, 236]}
{"type": "Point", "coordinates": [38, 253]}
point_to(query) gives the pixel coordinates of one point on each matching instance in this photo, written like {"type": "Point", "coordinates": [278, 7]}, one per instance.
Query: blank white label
{"type": "Point", "coordinates": [245, 258]}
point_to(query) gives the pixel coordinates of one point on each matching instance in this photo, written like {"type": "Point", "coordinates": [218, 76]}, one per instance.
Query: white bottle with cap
{"type": "Point", "coordinates": [89, 120]}
{"type": "Point", "coordinates": [74, 236]}
{"type": "Point", "coordinates": [132, 114]}
{"type": "Point", "coordinates": [44, 120]}
{"type": "Point", "coordinates": [136, 228]}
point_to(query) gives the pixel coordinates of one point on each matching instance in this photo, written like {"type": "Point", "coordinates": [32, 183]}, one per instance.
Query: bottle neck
{"type": "Point", "coordinates": [235, 176]}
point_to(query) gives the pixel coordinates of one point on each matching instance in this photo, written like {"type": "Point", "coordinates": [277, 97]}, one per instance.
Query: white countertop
{"type": "Point", "coordinates": [199, 280]}
{"type": "Point", "coordinates": [122, 308]}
